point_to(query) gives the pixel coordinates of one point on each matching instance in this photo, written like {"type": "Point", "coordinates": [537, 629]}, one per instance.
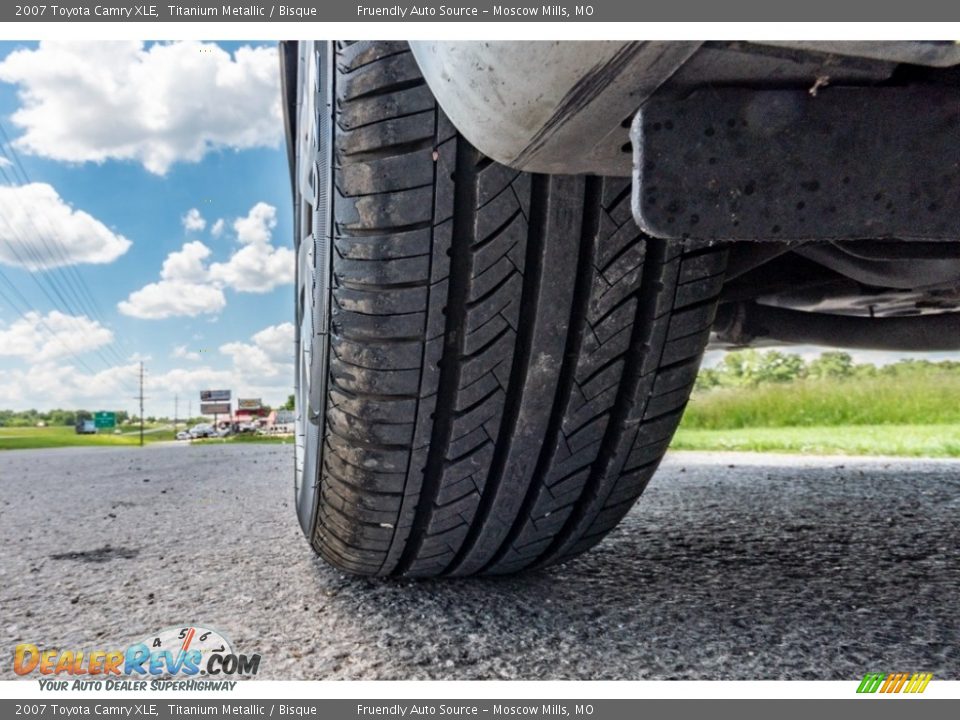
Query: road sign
{"type": "Point", "coordinates": [214, 396]}
{"type": "Point", "coordinates": [215, 408]}
{"type": "Point", "coordinates": [104, 419]}
{"type": "Point", "coordinates": [249, 403]}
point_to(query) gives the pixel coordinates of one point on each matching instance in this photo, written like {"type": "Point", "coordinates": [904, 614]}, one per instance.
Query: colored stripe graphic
{"type": "Point", "coordinates": [894, 683]}
{"type": "Point", "coordinates": [920, 684]}
{"type": "Point", "coordinates": [870, 683]}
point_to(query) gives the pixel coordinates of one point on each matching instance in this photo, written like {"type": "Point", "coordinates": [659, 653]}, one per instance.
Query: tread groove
{"type": "Point", "coordinates": [575, 329]}
{"type": "Point", "coordinates": [640, 336]}
{"type": "Point", "coordinates": [464, 233]}
{"type": "Point", "coordinates": [532, 277]}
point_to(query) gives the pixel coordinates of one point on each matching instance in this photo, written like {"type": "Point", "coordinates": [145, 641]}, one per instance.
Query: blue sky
{"type": "Point", "coordinates": [161, 171]}
{"type": "Point", "coordinates": [136, 137]}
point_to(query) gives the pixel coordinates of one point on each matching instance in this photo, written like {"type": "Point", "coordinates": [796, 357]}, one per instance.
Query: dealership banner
{"type": "Point", "coordinates": [340, 709]}
{"type": "Point", "coordinates": [482, 11]}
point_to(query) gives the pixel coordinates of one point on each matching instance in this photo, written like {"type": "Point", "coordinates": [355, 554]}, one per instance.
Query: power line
{"type": "Point", "coordinates": [24, 177]}
{"type": "Point", "coordinates": [54, 251]}
{"type": "Point", "coordinates": [76, 287]}
{"type": "Point", "coordinates": [23, 308]}
{"type": "Point", "coordinates": [18, 164]}
{"type": "Point", "coordinates": [61, 265]}
{"type": "Point", "coordinates": [40, 319]}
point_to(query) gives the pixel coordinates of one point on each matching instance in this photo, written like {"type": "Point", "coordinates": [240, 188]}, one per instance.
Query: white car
{"type": "Point", "coordinates": [203, 430]}
{"type": "Point", "coordinates": [184, 435]}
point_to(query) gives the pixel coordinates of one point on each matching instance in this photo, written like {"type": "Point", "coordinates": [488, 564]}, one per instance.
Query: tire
{"type": "Point", "coordinates": [492, 363]}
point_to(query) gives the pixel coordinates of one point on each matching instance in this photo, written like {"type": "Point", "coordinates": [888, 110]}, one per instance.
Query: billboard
{"type": "Point", "coordinates": [214, 396]}
{"type": "Point", "coordinates": [215, 408]}
{"type": "Point", "coordinates": [249, 403]}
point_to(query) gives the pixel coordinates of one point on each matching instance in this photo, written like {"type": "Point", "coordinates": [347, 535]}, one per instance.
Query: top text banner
{"type": "Point", "coordinates": [484, 11]}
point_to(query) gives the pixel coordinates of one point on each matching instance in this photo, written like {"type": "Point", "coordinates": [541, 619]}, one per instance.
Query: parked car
{"type": "Point", "coordinates": [203, 430]}
{"type": "Point", "coordinates": [512, 255]}
{"type": "Point", "coordinates": [184, 435]}
{"type": "Point", "coordinates": [86, 427]}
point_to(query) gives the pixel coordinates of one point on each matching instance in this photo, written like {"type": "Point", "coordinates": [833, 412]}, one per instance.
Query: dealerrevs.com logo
{"type": "Point", "coordinates": [190, 652]}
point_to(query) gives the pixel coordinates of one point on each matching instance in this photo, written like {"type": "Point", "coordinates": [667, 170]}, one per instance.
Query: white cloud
{"type": "Point", "coordinates": [180, 351]}
{"type": "Point", "coordinates": [189, 286]}
{"type": "Point", "coordinates": [183, 289]}
{"type": "Point", "coordinates": [258, 266]}
{"type": "Point", "coordinates": [259, 367]}
{"type": "Point", "coordinates": [39, 338]}
{"type": "Point", "coordinates": [269, 355]}
{"type": "Point", "coordinates": [193, 220]}
{"type": "Point", "coordinates": [33, 216]}
{"type": "Point", "coordinates": [172, 298]}
{"type": "Point", "coordinates": [258, 224]}
{"type": "Point", "coordinates": [4, 162]}
{"type": "Point", "coordinates": [48, 385]}
{"type": "Point", "coordinates": [187, 263]}
{"type": "Point", "coordinates": [157, 105]}
{"type": "Point", "coordinates": [262, 367]}
{"type": "Point", "coordinates": [217, 228]}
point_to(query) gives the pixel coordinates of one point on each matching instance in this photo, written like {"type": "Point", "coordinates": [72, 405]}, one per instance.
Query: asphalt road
{"type": "Point", "coordinates": [731, 567]}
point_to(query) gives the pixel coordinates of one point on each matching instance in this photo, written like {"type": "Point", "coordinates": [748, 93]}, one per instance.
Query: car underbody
{"type": "Point", "coordinates": [829, 168]}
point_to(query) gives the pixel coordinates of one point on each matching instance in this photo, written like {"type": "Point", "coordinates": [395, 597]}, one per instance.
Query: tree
{"type": "Point", "coordinates": [750, 368]}
{"type": "Point", "coordinates": [780, 367]}
{"type": "Point", "coordinates": [738, 367]}
{"type": "Point", "coordinates": [707, 379]}
{"type": "Point", "coordinates": [832, 364]}
{"type": "Point", "coordinates": [291, 403]}
{"type": "Point", "coordinates": [62, 417]}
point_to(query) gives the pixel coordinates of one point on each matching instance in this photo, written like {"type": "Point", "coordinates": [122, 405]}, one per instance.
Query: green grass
{"type": "Point", "coordinates": [22, 438]}
{"type": "Point", "coordinates": [904, 440]}
{"type": "Point", "coordinates": [912, 415]}
{"type": "Point", "coordinates": [931, 399]}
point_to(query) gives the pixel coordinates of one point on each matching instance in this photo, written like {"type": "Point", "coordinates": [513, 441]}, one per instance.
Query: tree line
{"type": "Point", "coordinates": [750, 368]}
{"type": "Point", "coordinates": [32, 418]}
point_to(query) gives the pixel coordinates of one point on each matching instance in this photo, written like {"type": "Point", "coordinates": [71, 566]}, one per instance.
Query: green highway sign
{"type": "Point", "coordinates": [104, 419]}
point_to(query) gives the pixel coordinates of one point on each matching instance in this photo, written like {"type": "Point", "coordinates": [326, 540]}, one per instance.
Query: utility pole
{"type": "Point", "coordinates": [141, 403]}
{"type": "Point", "coordinates": [176, 407]}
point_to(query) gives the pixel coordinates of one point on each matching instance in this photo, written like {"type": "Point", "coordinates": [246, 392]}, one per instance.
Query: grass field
{"type": "Point", "coordinates": [932, 399]}
{"type": "Point", "coordinates": [48, 437]}
{"type": "Point", "coordinates": [905, 440]}
{"type": "Point", "coordinates": [21, 438]}
{"type": "Point", "coordinates": [911, 416]}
